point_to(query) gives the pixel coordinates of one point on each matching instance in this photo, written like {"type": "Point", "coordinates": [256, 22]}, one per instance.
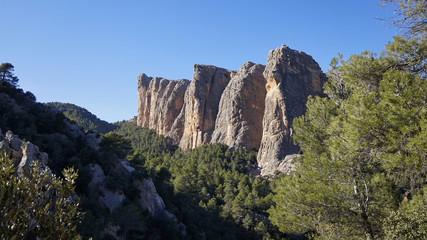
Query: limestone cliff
{"type": "Point", "coordinates": [159, 103]}
{"type": "Point", "coordinates": [201, 104]}
{"type": "Point", "coordinates": [291, 77]}
{"type": "Point", "coordinates": [251, 108]}
{"type": "Point", "coordinates": [241, 109]}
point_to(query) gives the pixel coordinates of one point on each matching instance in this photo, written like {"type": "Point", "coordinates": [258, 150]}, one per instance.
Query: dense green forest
{"type": "Point", "coordinates": [82, 117]}
{"type": "Point", "coordinates": [209, 188]}
{"type": "Point", "coordinates": [362, 174]}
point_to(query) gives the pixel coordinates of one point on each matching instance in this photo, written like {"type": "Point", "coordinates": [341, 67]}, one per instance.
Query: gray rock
{"type": "Point", "coordinates": [43, 158]}
{"type": "Point", "coordinates": [111, 199]}
{"type": "Point", "coordinates": [14, 141]}
{"type": "Point", "coordinates": [97, 174]}
{"type": "Point", "coordinates": [160, 101]}
{"type": "Point", "coordinates": [126, 165]}
{"type": "Point", "coordinates": [107, 198]}
{"type": "Point", "coordinates": [288, 163]}
{"type": "Point", "coordinates": [291, 77]}
{"type": "Point", "coordinates": [4, 146]}
{"type": "Point", "coordinates": [150, 200]}
{"type": "Point", "coordinates": [153, 203]}
{"type": "Point", "coordinates": [23, 153]}
{"type": "Point", "coordinates": [241, 109]}
{"type": "Point", "coordinates": [201, 104]}
{"type": "Point", "coordinates": [29, 155]}
{"type": "Point", "coordinates": [112, 230]}
{"type": "Point", "coordinates": [73, 129]}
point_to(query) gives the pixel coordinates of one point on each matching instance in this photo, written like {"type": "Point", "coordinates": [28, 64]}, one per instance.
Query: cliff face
{"type": "Point", "coordinates": [201, 104]}
{"type": "Point", "coordinates": [160, 102]}
{"type": "Point", "coordinates": [291, 77]}
{"type": "Point", "coordinates": [252, 108]}
{"type": "Point", "coordinates": [239, 120]}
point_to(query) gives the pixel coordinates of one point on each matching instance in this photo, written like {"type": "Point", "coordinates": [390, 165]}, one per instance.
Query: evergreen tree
{"type": "Point", "coordinates": [363, 146]}
{"type": "Point", "coordinates": [410, 15]}
{"type": "Point", "coordinates": [6, 74]}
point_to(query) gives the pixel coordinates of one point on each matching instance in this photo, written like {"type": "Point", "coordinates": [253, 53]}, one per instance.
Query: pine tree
{"type": "Point", "coordinates": [6, 74]}
{"type": "Point", "coordinates": [363, 146]}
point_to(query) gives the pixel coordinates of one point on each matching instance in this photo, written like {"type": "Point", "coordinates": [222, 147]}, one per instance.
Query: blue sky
{"type": "Point", "coordinates": [90, 52]}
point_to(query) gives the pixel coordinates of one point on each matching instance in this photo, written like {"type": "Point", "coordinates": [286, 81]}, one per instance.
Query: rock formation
{"type": "Point", "coordinates": [252, 108]}
{"type": "Point", "coordinates": [22, 152]}
{"type": "Point", "coordinates": [149, 198]}
{"type": "Point", "coordinates": [241, 109]}
{"type": "Point", "coordinates": [160, 102]}
{"type": "Point", "coordinates": [201, 104]}
{"type": "Point", "coordinates": [291, 77]}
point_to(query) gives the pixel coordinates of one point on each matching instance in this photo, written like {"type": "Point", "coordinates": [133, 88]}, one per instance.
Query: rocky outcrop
{"type": "Point", "coordinates": [291, 77]}
{"type": "Point", "coordinates": [241, 109]}
{"type": "Point", "coordinates": [149, 199]}
{"type": "Point", "coordinates": [160, 102]}
{"type": "Point", "coordinates": [252, 108]}
{"type": "Point", "coordinates": [201, 104]}
{"type": "Point", "coordinates": [108, 198]}
{"type": "Point", "coordinates": [23, 152]}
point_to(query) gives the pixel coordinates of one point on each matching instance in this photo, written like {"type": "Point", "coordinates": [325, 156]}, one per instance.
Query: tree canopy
{"type": "Point", "coordinates": [410, 15]}
{"type": "Point", "coordinates": [6, 74]}
{"type": "Point", "coordinates": [364, 166]}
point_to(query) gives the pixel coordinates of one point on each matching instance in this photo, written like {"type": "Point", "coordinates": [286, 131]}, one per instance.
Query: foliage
{"type": "Point", "coordinates": [409, 221]}
{"type": "Point", "coordinates": [82, 117]}
{"type": "Point", "coordinates": [363, 146]}
{"type": "Point", "coordinates": [6, 74]}
{"type": "Point", "coordinates": [116, 144]}
{"type": "Point", "coordinates": [410, 15]}
{"type": "Point", "coordinates": [39, 204]}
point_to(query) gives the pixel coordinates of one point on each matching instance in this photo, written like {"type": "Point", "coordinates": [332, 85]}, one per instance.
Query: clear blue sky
{"type": "Point", "coordinates": [90, 52]}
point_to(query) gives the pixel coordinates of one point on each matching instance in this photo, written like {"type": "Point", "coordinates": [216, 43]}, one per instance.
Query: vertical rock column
{"type": "Point", "coordinates": [201, 104]}
{"type": "Point", "coordinates": [144, 99]}
{"type": "Point", "coordinates": [241, 109]}
{"type": "Point", "coordinates": [291, 77]}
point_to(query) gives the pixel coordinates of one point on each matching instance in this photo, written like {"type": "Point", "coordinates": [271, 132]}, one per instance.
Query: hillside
{"type": "Point", "coordinates": [82, 117]}
{"type": "Point", "coordinates": [108, 189]}
{"type": "Point", "coordinates": [119, 199]}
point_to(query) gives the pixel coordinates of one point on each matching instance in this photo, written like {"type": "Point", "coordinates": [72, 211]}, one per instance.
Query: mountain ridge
{"type": "Point", "coordinates": [82, 117]}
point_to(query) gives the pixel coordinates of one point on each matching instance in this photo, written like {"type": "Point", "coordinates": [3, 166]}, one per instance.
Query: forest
{"type": "Point", "coordinates": [361, 174]}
